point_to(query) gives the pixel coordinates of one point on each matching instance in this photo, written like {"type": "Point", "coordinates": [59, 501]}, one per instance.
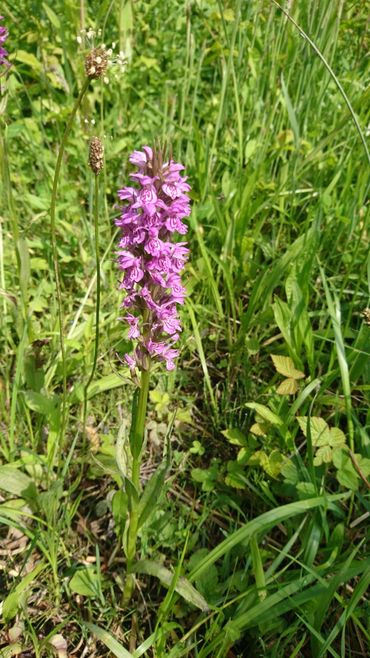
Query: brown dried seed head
{"type": "Point", "coordinates": [366, 315]}
{"type": "Point", "coordinates": [96, 63]}
{"type": "Point", "coordinates": [96, 155]}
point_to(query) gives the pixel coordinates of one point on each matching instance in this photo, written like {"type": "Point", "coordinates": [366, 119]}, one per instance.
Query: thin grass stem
{"type": "Point", "coordinates": [55, 255]}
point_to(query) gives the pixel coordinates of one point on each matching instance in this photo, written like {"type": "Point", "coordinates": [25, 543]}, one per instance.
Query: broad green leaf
{"type": "Point", "coordinates": [285, 366]}
{"type": "Point", "coordinates": [40, 403]}
{"type": "Point", "coordinates": [29, 59]}
{"type": "Point", "coordinates": [235, 437]}
{"type": "Point", "coordinates": [16, 482]}
{"type": "Point", "coordinates": [259, 458]}
{"type": "Point", "coordinates": [287, 387]}
{"type": "Point", "coordinates": [13, 509]}
{"type": "Point", "coordinates": [182, 587]}
{"type": "Point", "coordinates": [346, 473]}
{"type": "Point", "coordinates": [107, 383]}
{"type": "Point", "coordinates": [243, 455]}
{"type": "Point", "coordinates": [364, 464]}
{"type": "Point", "coordinates": [275, 462]}
{"type": "Point", "coordinates": [289, 471]}
{"type": "Point", "coordinates": [265, 413]}
{"type": "Point", "coordinates": [235, 475]}
{"type": "Point", "coordinates": [107, 638]}
{"type": "Point", "coordinates": [84, 582]}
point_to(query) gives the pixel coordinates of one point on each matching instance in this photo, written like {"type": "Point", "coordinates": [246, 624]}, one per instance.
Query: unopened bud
{"type": "Point", "coordinates": [96, 63]}
{"type": "Point", "coordinates": [96, 155]}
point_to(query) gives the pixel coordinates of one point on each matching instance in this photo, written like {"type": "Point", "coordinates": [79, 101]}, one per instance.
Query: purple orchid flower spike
{"type": "Point", "coordinates": [150, 261]}
{"type": "Point", "coordinates": [3, 52]}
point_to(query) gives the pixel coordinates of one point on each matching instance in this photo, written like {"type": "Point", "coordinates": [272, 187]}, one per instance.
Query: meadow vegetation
{"type": "Point", "coordinates": [256, 544]}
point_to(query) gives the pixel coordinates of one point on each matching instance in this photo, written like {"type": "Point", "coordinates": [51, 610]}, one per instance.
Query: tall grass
{"type": "Point", "coordinates": [251, 97]}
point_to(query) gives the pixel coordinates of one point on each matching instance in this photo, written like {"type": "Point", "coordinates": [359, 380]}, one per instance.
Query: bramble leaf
{"type": "Point", "coordinates": [287, 387]}
{"type": "Point", "coordinates": [285, 366]}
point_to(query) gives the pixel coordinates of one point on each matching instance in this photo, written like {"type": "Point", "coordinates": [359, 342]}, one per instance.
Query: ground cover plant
{"type": "Point", "coordinates": [250, 511]}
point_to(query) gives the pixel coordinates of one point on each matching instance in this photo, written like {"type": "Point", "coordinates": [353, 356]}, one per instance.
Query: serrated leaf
{"type": "Point", "coordinates": [235, 437]}
{"type": "Point", "coordinates": [258, 429]}
{"type": "Point", "coordinates": [287, 387]}
{"type": "Point", "coordinates": [265, 413]}
{"type": "Point", "coordinates": [364, 464]}
{"type": "Point", "coordinates": [259, 458]}
{"type": "Point", "coordinates": [323, 455]}
{"type": "Point", "coordinates": [285, 366]}
{"type": "Point", "coordinates": [337, 438]}
{"type": "Point", "coordinates": [318, 427]}
{"type": "Point", "coordinates": [340, 458]}
{"type": "Point", "coordinates": [275, 462]}
{"type": "Point", "coordinates": [182, 587]}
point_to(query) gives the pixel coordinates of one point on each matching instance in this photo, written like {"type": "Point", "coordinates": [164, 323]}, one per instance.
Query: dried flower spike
{"type": "Point", "coordinates": [96, 155]}
{"type": "Point", "coordinates": [151, 262]}
{"type": "Point", "coordinates": [96, 63]}
{"type": "Point", "coordinates": [366, 315]}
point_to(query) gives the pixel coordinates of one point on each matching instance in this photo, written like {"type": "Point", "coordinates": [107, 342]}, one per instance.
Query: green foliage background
{"type": "Point", "coordinates": [279, 238]}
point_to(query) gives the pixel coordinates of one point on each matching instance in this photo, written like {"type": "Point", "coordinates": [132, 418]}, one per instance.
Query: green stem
{"type": "Point", "coordinates": [97, 306]}
{"type": "Point", "coordinates": [55, 253]}
{"type": "Point", "coordinates": [135, 478]}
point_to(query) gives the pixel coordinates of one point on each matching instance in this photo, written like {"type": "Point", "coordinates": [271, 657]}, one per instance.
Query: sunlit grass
{"type": "Point", "coordinates": [279, 265]}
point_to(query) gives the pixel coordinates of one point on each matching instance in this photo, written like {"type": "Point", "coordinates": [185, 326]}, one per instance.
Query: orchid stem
{"type": "Point", "coordinates": [138, 433]}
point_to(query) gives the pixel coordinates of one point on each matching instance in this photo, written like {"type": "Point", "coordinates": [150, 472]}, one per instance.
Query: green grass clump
{"type": "Point", "coordinates": [257, 545]}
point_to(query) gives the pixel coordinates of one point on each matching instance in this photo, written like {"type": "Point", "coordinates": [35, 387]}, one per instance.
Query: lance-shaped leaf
{"type": "Point", "coordinates": [155, 484]}
{"type": "Point", "coordinates": [182, 585]}
{"type": "Point", "coordinates": [151, 493]}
